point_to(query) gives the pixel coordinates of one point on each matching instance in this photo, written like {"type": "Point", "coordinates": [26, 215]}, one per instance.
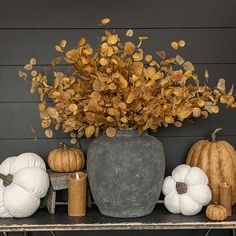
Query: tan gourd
{"type": "Point", "coordinates": [216, 212]}
{"type": "Point", "coordinates": [66, 159]}
{"type": "Point", "coordinates": [218, 160]}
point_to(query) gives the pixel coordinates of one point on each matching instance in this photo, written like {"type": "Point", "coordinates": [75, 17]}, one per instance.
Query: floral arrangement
{"type": "Point", "coordinates": [118, 86]}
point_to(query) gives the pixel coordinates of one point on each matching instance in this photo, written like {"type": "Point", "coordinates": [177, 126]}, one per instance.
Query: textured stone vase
{"type": "Point", "coordinates": [126, 173]}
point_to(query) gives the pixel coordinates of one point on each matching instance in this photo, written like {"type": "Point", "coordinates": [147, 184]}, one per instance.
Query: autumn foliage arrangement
{"type": "Point", "coordinates": [117, 86]}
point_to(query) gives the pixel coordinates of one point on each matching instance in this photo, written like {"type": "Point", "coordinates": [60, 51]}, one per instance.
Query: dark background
{"type": "Point", "coordinates": [32, 28]}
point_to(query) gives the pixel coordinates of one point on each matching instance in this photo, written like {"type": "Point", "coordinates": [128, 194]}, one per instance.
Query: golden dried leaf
{"type": "Point", "coordinates": [205, 114]}
{"type": "Point", "coordinates": [175, 45]}
{"type": "Point", "coordinates": [215, 109]}
{"type": "Point", "coordinates": [181, 43]}
{"type": "Point", "coordinates": [58, 48]}
{"type": "Point", "coordinates": [180, 60]}
{"type": "Point", "coordinates": [225, 99]}
{"type": "Point", "coordinates": [129, 33]}
{"type": "Point", "coordinates": [46, 123]}
{"type": "Point", "coordinates": [188, 66]}
{"type": "Point", "coordinates": [221, 85]}
{"type": "Point", "coordinates": [112, 86]}
{"type": "Point", "coordinates": [148, 58]}
{"type": "Point", "coordinates": [33, 61]}
{"type": "Point", "coordinates": [82, 42]}
{"type": "Point", "coordinates": [138, 56]}
{"type": "Point", "coordinates": [52, 112]}
{"type": "Point", "coordinates": [96, 95]}
{"type": "Point", "coordinates": [63, 43]}
{"type": "Point", "coordinates": [105, 21]}
{"type": "Point", "coordinates": [89, 131]}
{"type": "Point", "coordinates": [73, 141]}
{"type": "Point", "coordinates": [28, 67]}
{"type": "Point", "coordinates": [148, 124]}
{"type": "Point", "coordinates": [206, 75]}
{"type": "Point", "coordinates": [183, 112]}
{"type": "Point", "coordinates": [196, 112]}
{"type": "Point", "coordinates": [48, 133]}
{"type": "Point", "coordinates": [103, 61]}
{"type": "Point", "coordinates": [88, 50]}
{"type": "Point", "coordinates": [90, 116]}
{"type": "Point", "coordinates": [230, 93]}
{"type": "Point", "coordinates": [112, 39]}
{"type": "Point", "coordinates": [73, 108]}
{"type": "Point", "coordinates": [169, 119]}
{"type": "Point", "coordinates": [129, 48]}
{"type": "Point", "coordinates": [201, 103]}
{"type": "Point", "coordinates": [41, 107]}
{"type": "Point", "coordinates": [34, 73]}
{"type": "Point", "coordinates": [22, 75]}
{"type": "Point", "coordinates": [111, 132]}
{"type": "Point", "coordinates": [161, 54]}
{"type": "Point", "coordinates": [178, 124]}
{"type": "Point", "coordinates": [123, 82]}
{"type": "Point", "coordinates": [131, 96]}
{"type": "Point", "coordinates": [151, 71]}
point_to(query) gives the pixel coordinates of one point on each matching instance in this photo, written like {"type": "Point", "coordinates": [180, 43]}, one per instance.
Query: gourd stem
{"type": "Point", "coordinates": [213, 135]}
{"type": "Point", "coordinates": [64, 146]}
{"type": "Point", "coordinates": [7, 179]}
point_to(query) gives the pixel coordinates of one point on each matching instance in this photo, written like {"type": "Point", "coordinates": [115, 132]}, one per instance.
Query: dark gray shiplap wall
{"type": "Point", "coordinates": [31, 28]}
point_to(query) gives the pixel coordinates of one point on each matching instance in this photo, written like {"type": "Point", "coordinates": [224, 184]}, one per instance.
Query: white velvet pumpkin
{"type": "Point", "coordinates": [28, 183]}
{"type": "Point", "coordinates": [186, 191]}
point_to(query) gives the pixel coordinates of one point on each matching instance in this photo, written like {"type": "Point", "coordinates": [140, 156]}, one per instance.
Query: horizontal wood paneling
{"type": "Point", "coordinates": [176, 148]}
{"type": "Point", "coordinates": [17, 119]}
{"type": "Point", "coordinates": [13, 89]}
{"type": "Point", "coordinates": [131, 13]}
{"type": "Point", "coordinates": [203, 45]}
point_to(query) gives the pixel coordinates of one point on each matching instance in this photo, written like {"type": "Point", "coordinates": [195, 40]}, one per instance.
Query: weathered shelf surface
{"type": "Point", "coordinates": [159, 219]}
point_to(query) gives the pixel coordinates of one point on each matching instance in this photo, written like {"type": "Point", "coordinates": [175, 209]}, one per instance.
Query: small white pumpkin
{"type": "Point", "coordinates": [186, 191]}
{"type": "Point", "coordinates": [23, 181]}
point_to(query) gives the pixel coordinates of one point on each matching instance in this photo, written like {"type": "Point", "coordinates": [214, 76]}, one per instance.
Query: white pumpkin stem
{"type": "Point", "coordinates": [213, 135]}
{"type": "Point", "coordinates": [181, 187]}
{"type": "Point", "coordinates": [7, 179]}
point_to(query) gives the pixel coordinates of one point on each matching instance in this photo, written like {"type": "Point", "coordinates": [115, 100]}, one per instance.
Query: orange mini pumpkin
{"type": "Point", "coordinates": [216, 212]}
{"type": "Point", "coordinates": [218, 160]}
{"type": "Point", "coordinates": [66, 159]}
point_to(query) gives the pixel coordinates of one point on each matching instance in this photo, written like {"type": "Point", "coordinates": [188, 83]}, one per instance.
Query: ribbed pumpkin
{"type": "Point", "coordinates": [218, 160]}
{"type": "Point", "coordinates": [216, 212]}
{"type": "Point", "coordinates": [66, 159]}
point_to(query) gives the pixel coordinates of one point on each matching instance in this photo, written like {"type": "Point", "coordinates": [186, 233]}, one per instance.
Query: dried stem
{"type": "Point", "coordinates": [213, 135]}
{"type": "Point", "coordinates": [64, 146]}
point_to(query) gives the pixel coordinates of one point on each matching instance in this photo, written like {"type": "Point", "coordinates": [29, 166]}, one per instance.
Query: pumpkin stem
{"type": "Point", "coordinates": [64, 146]}
{"type": "Point", "coordinates": [181, 188]}
{"type": "Point", "coordinates": [213, 135]}
{"type": "Point", "coordinates": [7, 179]}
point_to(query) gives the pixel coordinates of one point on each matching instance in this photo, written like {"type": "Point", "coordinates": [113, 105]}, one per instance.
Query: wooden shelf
{"type": "Point", "coordinates": [159, 219]}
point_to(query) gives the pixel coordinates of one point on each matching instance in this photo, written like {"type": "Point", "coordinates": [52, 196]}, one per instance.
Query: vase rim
{"type": "Point", "coordinates": [131, 132]}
